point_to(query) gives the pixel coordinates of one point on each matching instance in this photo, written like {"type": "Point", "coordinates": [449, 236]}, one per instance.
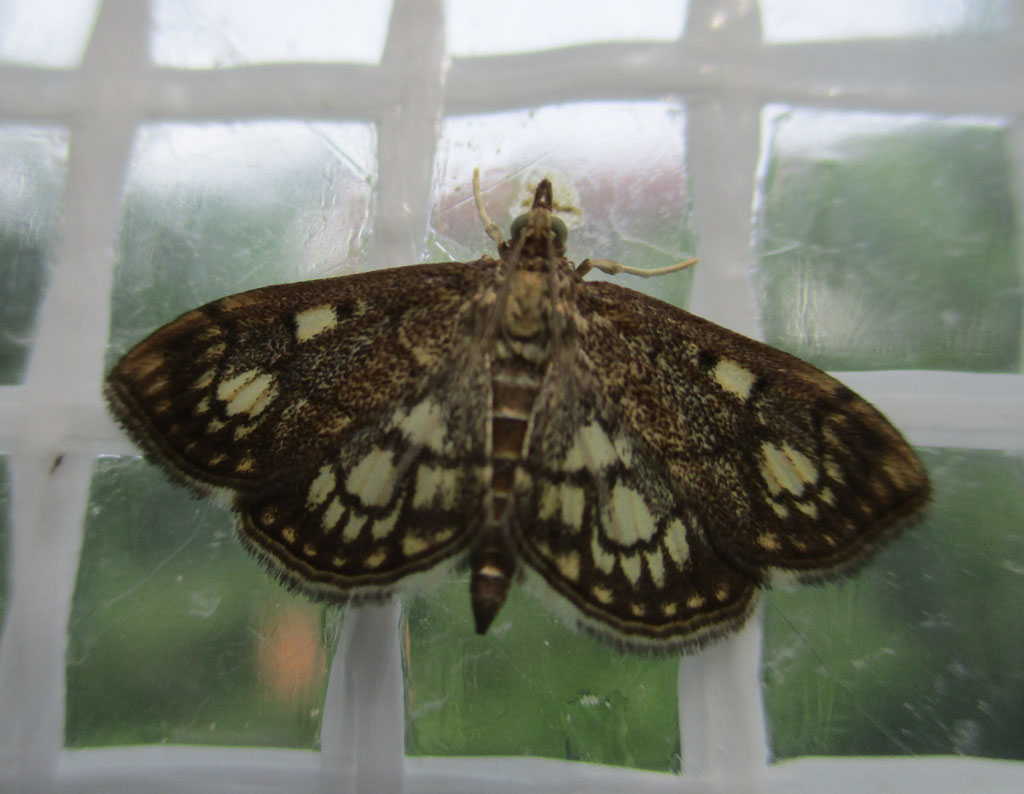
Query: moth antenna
{"type": "Point", "coordinates": [490, 227]}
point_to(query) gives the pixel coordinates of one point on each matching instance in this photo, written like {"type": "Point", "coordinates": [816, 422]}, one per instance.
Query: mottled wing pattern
{"type": "Point", "coordinates": [317, 407]}
{"type": "Point", "coordinates": [791, 469]}
{"type": "Point", "coordinates": [601, 520]}
{"type": "Point", "coordinates": [394, 499]}
{"type": "Point", "coordinates": [680, 466]}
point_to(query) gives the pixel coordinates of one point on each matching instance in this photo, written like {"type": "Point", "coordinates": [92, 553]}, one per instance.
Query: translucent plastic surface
{"type": "Point", "coordinates": [32, 168]}
{"type": "Point", "coordinates": [811, 20]}
{"type": "Point", "coordinates": [531, 686]}
{"type": "Point", "coordinates": [5, 541]}
{"type": "Point", "coordinates": [920, 652]}
{"type": "Point", "coordinates": [46, 34]}
{"type": "Point", "coordinates": [176, 636]}
{"type": "Point", "coordinates": [476, 28]}
{"type": "Point", "coordinates": [205, 34]}
{"type": "Point", "coordinates": [212, 210]}
{"type": "Point", "coordinates": [889, 242]}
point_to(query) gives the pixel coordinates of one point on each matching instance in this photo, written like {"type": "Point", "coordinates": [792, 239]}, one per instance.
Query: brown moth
{"type": "Point", "coordinates": [648, 468]}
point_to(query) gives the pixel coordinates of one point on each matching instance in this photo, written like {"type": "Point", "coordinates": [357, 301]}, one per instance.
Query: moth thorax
{"type": "Point", "coordinates": [493, 565]}
{"type": "Point", "coordinates": [524, 310]}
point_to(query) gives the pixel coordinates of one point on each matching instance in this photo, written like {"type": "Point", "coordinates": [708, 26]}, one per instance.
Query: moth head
{"type": "Point", "coordinates": [538, 225]}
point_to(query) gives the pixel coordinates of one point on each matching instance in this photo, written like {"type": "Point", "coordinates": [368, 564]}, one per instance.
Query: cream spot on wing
{"type": "Point", "coordinates": [248, 392]}
{"type": "Point", "coordinates": [602, 559]}
{"type": "Point", "coordinates": [722, 593]}
{"type": "Point", "coordinates": [215, 426]}
{"type": "Point", "coordinates": [212, 352]}
{"type": "Point", "coordinates": [241, 431]}
{"type": "Point", "coordinates": [602, 594]}
{"type": "Point", "coordinates": [268, 515]}
{"type": "Point", "coordinates": [309, 550]}
{"type": "Point", "coordinates": [205, 379]}
{"type": "Point", "coordinates": [768, 541]}
{"type": "Point", "coordinates": [315, 321]}
{"type": "Point", "coordinates": [230, 389]}
{"type": "Point", "coordinates": [572, 506]}
{"type": "Point", "coordinates": [695, 602]}
{"type": "Point", "coordinates": [216, 460]}
{"type": "Point", "coordinates": [413, 545]}
{"type": "Point", "coordinates": [245, 464]}
{"type": "Point", "coordinates": [656, 566]}
{"type": "Point", "coordinates": [262, 402]}
{"type": "Point", "coordinates": [564, 501]}
{"type": "Point", "coordinates": [423, 425]}
{"type": "Point", "coordinates": [803, 465]}
{"type": "Point", "coordinates": [434, 486]}
{"type": "Point", "coordinates": [202, 406]}
{"type": "Point", "coordinates": [383, 527]}
{"type": "Point", "coordinates": [675, 543]}
{"type": "Point", "coordinates": [322, 486]}
{"type": "Point", "coordinates": [373, 478]}
{"type": "Point", "coordinates": [808, 509]}
{"type": "Point", "coordinates": [569, 565]}
{"type": "Point", "coordinates": [630, 566]}
{"type": "Point", "coordinates": [288, 533]}
{"type": "Point", "coordinates": [734, 378]}
{"type": "Point", "coordinates": [637, 609]}
{"type": "Point", "coordinates": [155, 385]}
{"type": "Point", "coordinates": [548, 502]}
{"type": "Point", "coordinates": [902, 472]}
{"type": "Point", "coordinates": [786, 468]}
{"type": "Point", "coordinates": [142, 366]}
{"type": "Point", "coordinates": [780, 510]}
{"type": "Point", "coordinates": [332, 515]}
{"type": "Point", "coordinates": [353, 527]}
{"type": "Point", "coordinates": [376, 559]}
{"type": "Point", "coordinates": [627, 517]}
{"type": "Point", "coordinates": [339, 562]}
{"type": "Point", "coordinates": [669, 608]}
{"type": "Point", "coordinates": [827, 496]}
{"type": "Point", "coordinates": [591, 449]}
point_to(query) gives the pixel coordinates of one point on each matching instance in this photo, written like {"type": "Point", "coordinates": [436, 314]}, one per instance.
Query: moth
{"type": "Point", "coordinates": [645, 468]}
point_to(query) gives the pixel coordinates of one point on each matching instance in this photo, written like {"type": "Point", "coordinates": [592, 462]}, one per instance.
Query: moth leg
{"type": "Point", "coordinates": [489, 226]}
{"type": "Point", "coordinates": [613, 268]}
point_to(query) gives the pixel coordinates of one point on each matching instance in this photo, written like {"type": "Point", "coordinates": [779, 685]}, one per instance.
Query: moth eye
{"type": "Point", "coordinates": [557, 226]}
{"type": "Point", "coordinates": [560, 229]}
{"type": "Point", "coordinates": [518, 225]}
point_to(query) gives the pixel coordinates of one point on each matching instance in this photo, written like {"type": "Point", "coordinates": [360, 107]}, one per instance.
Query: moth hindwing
{"type": "Point", "coordinates": [646, 468]}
